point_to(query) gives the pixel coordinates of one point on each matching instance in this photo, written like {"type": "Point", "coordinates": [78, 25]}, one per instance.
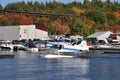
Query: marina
{"type": "Point", "coordinates": [60, 40]}
{"type": "Point", "coordinates": [41, 61]}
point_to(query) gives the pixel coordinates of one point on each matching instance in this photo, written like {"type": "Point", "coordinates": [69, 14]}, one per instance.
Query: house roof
{"type": "Point", "coordinates": [41, 27]}
{"type": "Point", "coordinates": [118, 33]}
{"type": "Point", "coordinates": [100, 35]}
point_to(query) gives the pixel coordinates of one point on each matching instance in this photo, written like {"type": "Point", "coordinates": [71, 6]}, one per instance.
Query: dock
{"type": "Point", "coordinates": [114, 50]}
{"type": "Point", "coordinates": [6, 55]}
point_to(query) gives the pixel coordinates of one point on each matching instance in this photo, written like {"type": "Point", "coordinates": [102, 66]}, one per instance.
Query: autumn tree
{"type": "Point", "coordinates": [1, 8]}
{"type": "Point", "coordinates": [86, 17]}
{"type": "Point", "coordinates": [19, 19]}
{"type": "Point", "coordinates": [97, 3]}
{"type": "Point", "coordinates": [117, 15]}
{"type": "Point", "coordinates": [60, 28]}
{"type": "Point", "coordinates": [77, 11]}
{"type": "Point", "coordinates": [18, 6]}
{"type": "Point", "coordinates": [50, 27]}
{"type": "Point", "coordinates": [87, 4]}
{"type": "Point", "coordinates": [57, 26]}
{"type": "Point", "coordinates": [111, 18]}
{"type": "Point", "coordinates": [4, 21]}
{"type": "Point", "coordinates": [96, 16]}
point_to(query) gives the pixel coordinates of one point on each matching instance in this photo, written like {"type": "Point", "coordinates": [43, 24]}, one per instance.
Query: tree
{"type": "Point", "coordinates": [57, 25]}
{"type": "Point", "coordinates": [65, 29]}
{"type": "Point", "coordinates": [1, 8]}
{"type": "Point", "coordinates": [97, 3]}
{"type": "Point", "coordinates": [19, 19]}
{"type": "Point", "coordinates": [36, 7]}
{"type": "Point", "coordinates": [76, 25]}
{"type": "Point", "coordinates": [19, 6]}
{"type": "Point", "coordinates": [5, 22]}
{"type": "Point", "coordinates": [117, 14]}
{"type": "Point", "coordinates": [86, 17]}
{"type": "Point", "coordinates": [109, 6]}
{"type": "Point", "coordinates": [29, 6]}
{"type": "Point", "coordinates": [60, 27]}
{"type": "Point", "coordinates": [50, 27]}
{"type": "Point", "coordinates": [96, 16]}
{"type": "Point", "coordinates": [86, 4]}
{"type": "Point", "coordinates": [111, 18]}
{"type": "Point", "coordinates": [77, 11]}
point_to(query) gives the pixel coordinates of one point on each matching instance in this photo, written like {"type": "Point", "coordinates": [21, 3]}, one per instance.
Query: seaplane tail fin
{"type": "Point", "coordinates": [84, 46]}
{"type": "Point", "coordinates": [83, 43]}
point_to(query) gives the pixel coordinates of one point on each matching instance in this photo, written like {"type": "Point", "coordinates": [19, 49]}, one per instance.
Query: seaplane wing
{"type": "Point", "coordinates": [58, 43]}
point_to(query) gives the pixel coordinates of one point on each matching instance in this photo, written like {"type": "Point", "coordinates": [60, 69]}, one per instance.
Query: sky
{"type": "Point", "coordinates": [5, 2]}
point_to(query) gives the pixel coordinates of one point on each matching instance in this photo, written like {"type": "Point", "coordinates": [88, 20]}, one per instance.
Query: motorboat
{"type": "Point", "coordinates": [31, 47]}
{"type": "Point", "coordinates": [8, 45]}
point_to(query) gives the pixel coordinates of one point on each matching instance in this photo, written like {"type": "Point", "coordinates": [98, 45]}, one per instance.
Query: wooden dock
{"type": "Point", "coordinates": [6, 55]}
{"type": "Point", "coordinates": [105, 50]}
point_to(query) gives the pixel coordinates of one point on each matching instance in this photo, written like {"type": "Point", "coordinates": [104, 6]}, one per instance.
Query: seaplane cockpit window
{"type": "Point", "coordinates": [67, 40]}
{"type": "Point", "coordinates": [79, 41]}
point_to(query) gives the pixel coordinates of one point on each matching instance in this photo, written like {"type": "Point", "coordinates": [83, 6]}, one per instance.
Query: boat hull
{"type": "Point", "coordinates": [32, 49]}
{"type": "Point", "coordinates": [5, 48]}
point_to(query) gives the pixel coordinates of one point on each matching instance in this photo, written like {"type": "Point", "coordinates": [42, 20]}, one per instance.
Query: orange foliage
{"type": "Point", "coordinates": [25, 20]}
{"type": "Point", "coordinates": [46, 18]}
{"type": "Point", "coordinates": [21, 19]}
{"type": "Point", "coordinates": [56, 25]}
{"type": "Point", "coordinates": [117, 14]}
{"type": "Point", "coordinates": [115, 28]}
{"type": "Point", "coordinates": [87, 25]}
{"type": "Point", "coordinates": [36, 20]}
{"type": "Point", "coordinates": [65, 29]}
{"type": "Point", "coordinates": [58, 20]}
{"type": "Point", "coordinates": [106, 13]}
{"type": "Point", "coordinates": [2, 16]}
{"type": "Point", "coordinates": [60, 28]}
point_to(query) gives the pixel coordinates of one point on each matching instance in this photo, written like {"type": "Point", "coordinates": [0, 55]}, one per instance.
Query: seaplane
{"type": "Point", "coordinates": [66, 49]}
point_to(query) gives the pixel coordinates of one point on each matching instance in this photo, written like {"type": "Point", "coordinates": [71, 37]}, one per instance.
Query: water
{"type": "Point", "coordinates": [29, 66]}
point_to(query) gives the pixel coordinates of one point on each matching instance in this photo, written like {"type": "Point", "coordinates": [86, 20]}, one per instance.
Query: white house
{"type": "Point", "coordinates": [22, 32]}
{"type": "Point", "coordinates": [106, 36]}
{"type": "Point", "coordinates": [100, 35]}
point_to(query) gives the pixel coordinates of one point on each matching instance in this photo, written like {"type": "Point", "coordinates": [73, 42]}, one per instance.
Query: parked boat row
{"type": "Point", "coordinates": [64, 47]}
{"type": "Point", "coordinates": [18, 45]}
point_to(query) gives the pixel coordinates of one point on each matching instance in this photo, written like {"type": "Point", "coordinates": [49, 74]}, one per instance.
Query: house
{"type": "Point", "coordinates": [22, 32]}
{"type": "Point", "coordinates": [102, 37]}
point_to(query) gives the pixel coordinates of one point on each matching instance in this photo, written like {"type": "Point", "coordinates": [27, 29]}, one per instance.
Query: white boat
{"type": "Point", "coordinates": [7, 45]}
{"type": "Point", "coordinates": [31, 47]}
{"type": "Point", "coordinates": [102, 46]}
